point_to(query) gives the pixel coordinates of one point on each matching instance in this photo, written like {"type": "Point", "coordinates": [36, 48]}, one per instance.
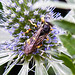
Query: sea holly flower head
{"type": "Point", "coordinates": [23, 23]}
{"type": "Point", "coordinates": [19, 23]}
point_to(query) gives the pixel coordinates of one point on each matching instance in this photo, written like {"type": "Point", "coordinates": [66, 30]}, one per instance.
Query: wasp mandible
{"type": "Point", "coordinates": [35, 41]}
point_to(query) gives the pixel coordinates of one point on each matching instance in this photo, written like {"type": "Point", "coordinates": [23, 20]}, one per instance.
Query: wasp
{"type": "Point", "coordinates": [36, 40]}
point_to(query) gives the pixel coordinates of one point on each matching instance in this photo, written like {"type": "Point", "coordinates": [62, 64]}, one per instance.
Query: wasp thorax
{"type": "Point", "coordinates": [45, 30]}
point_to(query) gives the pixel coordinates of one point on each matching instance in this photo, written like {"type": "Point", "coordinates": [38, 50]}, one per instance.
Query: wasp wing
{"type": "Point", "coordinates": [31, 46]}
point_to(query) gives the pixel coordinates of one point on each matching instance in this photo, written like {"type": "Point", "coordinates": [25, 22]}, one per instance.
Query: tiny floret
{"type": "Point", "coordinates": [26, 12]}
{"type": "Point", "coordinates": [16, 25]}
{"type": "Point", "coordinates": [13, 5]}
{"type": "Point", "coordinates": [27, 27]}
{"type": "Point", "coordinates": [8, 12]}
{"type": "Point", "coordinates": [29, 4]}
{"type": "Point", "coordinates": [18, 9]}
{"type": "Point", "coordinates": [20, 1]}
{"type": "Point", "coordinates": [8, 4]}
{"type": "Point", "coordinates": [9, 20]}
{"type": "Point", "coordinates": [13, 15]}
{"type": "Point", "coordinates": [21, 19]}
{"type": "Point", "coordinates": [6, 24]}
{"type": "Point", "coordinates": [35, 12]}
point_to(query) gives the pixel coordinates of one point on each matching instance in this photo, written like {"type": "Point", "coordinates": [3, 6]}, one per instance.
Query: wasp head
{"type": "Point", "coordinates": [46, 27]}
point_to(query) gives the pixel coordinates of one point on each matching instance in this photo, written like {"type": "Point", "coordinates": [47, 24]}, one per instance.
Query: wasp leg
{"type": "Point", "coordinates": [28, 41]}
{"type": "Point", "coordinates": [28, 31]}
{"type": "Point", "coordinates": [39, 46]}
{"type": "Point", "coordinates": [42, 19]}
{"type": "Point", "coordinates": [51, 29]}
{"type": "Point", "coordinates": [32, 23]}
{"type": "Point", "coordinates": [47, 38]}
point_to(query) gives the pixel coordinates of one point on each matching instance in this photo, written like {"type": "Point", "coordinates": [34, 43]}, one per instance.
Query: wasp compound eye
{"type": "Point", "coordinates": [46, 28]}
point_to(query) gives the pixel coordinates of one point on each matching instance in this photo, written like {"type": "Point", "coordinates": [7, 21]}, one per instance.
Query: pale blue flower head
{"type": "Point", "coordinates": [29, 4]}
{"type": "Point", "coordinates": [20, 1]}
{"type": "Point", "coordinates": [33, 20]}
{"type": "Point", "coordinates": [42, 16]}
{"type": "Point", "coordinates": [8, 12]}
{"type": "Point", "coordinates": [9, 20]}
{"type": "Point", "coordinates": [18, 9]}
{"type": "Point", "coordinates": [27, 27]}
{"type": "Point", "coordinates": [21, 19]}
{"type": "Point", "coordinates": [16, 24]}
{"type": "Point", "coordinates": [8, 4]}
{"type": "Point", "coordinates": [13, 5]}
{"type": "Point", "coordinates": [35, 12]}
{"type": "Point", "coordinates": [26, 12]}
{"type": "Point", "coordinates": [13, 15]}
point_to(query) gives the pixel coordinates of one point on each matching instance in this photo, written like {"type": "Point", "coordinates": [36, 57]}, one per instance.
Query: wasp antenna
{"type": "Point", "coordinates": [32, 23]}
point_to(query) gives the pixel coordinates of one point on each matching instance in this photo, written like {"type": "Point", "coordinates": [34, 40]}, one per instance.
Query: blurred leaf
{"type": "Point", "coordinates": [69, 43]}
{"type": "Point", "coordinates": [46, 3]}
{"type": "Point", "coordinates": [40, 69]}
{"type": "Point", "coordinates": [58, 67]}
{"type": "Point", "coordinates": [70, 1]}
{"type": "Point", "coordinates": [70, 16]}
{"type": "Point", "coordinates": [1, 7]}
{"type": "Point", "coordinates": [4, 35]}
{"type": "Point", "coordinates": [67, 61]}
{"type": "Point", "coordinates": [24, 69]}
{"type": "Point", "coordinates": [65, 25]}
